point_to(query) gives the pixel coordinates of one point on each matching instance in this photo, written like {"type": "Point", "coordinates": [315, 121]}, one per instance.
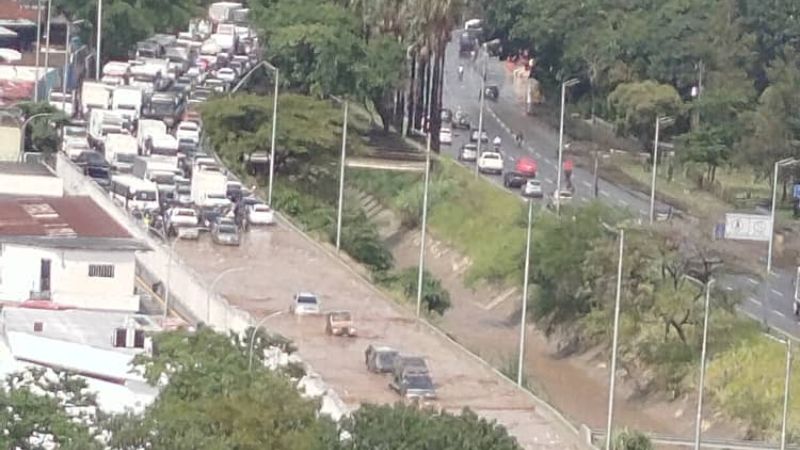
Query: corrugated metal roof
{"type": "Point", "coordinates": [57, 217]}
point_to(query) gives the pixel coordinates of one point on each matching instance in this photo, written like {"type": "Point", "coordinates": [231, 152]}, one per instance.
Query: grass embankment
{"type": "Point", "coordinates": [483, 223]}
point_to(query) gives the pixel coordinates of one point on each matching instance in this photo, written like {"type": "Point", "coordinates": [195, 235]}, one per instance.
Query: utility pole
{"type": "Point", "coordinates": [596, 174]}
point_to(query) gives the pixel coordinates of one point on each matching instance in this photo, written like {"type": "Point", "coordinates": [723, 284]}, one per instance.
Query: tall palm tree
{"type": "Point", "coordinates": [436, 20]}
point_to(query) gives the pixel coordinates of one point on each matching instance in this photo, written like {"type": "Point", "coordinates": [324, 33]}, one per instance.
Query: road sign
{"type": "Point", "coordinates": [796, 191]}
{"type": "Point", "coordinates": [747, 227]}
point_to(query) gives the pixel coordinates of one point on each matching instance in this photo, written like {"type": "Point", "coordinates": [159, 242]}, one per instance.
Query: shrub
{"type": "Point", "coordinates": [435, 297]}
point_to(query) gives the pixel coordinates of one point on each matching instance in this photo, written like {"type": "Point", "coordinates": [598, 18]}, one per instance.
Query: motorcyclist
{"type": "Point", "coordinates": [519, 138]}
{"type": "Point", "coordinates": [460, 73]}
{"type": "Point", "coordinates": [497, 142]}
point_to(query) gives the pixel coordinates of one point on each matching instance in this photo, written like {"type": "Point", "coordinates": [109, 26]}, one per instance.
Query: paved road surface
{"type": "Point", "coordinates": [507, 115]}
{"type": "Point", "coordinates": [281, 262]}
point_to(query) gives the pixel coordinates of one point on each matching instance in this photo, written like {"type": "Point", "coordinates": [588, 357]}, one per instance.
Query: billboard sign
{"type": "Point", "coordinates": [747, 227]}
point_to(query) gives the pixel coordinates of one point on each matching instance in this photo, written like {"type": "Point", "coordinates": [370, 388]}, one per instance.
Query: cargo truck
{"type": "Point", "coordinates": [161, 170]}
{"type": "Point", "coordinates": [128, 101]}
{"type": "Point", "coordinates": [209, 187]}
{"type": "Point", "coordinates": [95, 95]}
{"type": "Point", "coordinates": [148, 128]}
{"type": "Point", "coordinates": [121, 150]}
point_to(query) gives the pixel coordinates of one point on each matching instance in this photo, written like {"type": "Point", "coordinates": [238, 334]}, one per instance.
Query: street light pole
{"type": "Point", "coordinates": [773, 209]}
{"type": "Point", "coordinates": [424, 224]}
{"type": "Point", "coordinates": [699, 419]}
{"type": "Point", "coordinates": [47, 38]}
{"type": "Point", "coordinates": [99, 38]}
{"type": "Point", "coordinates": [214, 284]}
{"type": "Point", "coordinates": [521, 360]}
{"type": "Point", "coordinates": [786, 391]}
{"type": "Point", "coordinates": [341, 180]}
{"type": "Point", "coordinates": [662, 120]}
{"type": "Point", "coordinates": [480, 113]}
{"type": "Point", "coordinates": [67, 50]}
{"type": "Point", "coordinates": [253, 339]}
{"type": "Point", "coordinates": [22, 132]}
{"type": "Point", "coordinates": [564, 86]}
{"type": "Point", "coordinates": [615, 337]}
{"type": "Point", "coordinates": [38, 48]}
{"type": "Point", "coordinates": [272, 139]}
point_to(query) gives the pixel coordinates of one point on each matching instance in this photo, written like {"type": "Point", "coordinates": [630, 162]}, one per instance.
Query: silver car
{"type": "Point", "coordinates": [532, 189]}
{"type": "Point", "coordinates": [468, 153]}
{"type": "Point", "coordinates": [304, 303]}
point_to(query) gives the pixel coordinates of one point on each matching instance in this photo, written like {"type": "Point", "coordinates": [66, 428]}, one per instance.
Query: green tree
{"type": "Point", "coordinates": [42, 133]}
{"type": "Point", "coordinates": [632, 440]}
{"type": "Point", "coordinates": [213, 401]}
{"type": "Point", "coordinates": [33, 415]}
{"type": "Point", "coordinates": [379, 77]}
{"type": "Point", "coordinates": [385, 427]}
{"type": "Point", "coordinates": [635, 107]}
{"type": "Point", "coordinates": [435, 297]}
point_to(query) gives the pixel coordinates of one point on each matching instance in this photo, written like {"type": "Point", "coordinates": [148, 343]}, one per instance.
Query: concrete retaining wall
{"type": "Point", "coordinates": [188, 292]}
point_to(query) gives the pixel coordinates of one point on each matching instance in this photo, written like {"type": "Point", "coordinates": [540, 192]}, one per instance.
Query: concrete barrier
{"type": "Point", "coordinates": [188, 292]}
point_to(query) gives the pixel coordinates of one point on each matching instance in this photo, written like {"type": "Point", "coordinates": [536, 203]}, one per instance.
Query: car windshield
{"type": "Point", "coordinates": [166, 107]}
{"type": "Point", "coordinates": [185, 213]}
{"type": "Point", "coordinates": [125, 157]}
{"type": "Point", "coordinates": [227, 229]}
{"type": "Point", "coordinates": [534, 183]}
{"type": "Point", "coordinates": [184, 189]}
{"type": "Point", "coordinates": [261, 208]}
{"type": "Point", "coordinates": [75, 132]}
{"type": "Point", "coordinates": [419, 382]}
{"type": "Point", "coordinates": [97, 172]}
{"type": "Point", "coordinates": [491, 156]}
{"type": "Point", "coordinates": [340, 317]}
{"type": "Point", "coordinates": [307, 300]}
{"type": "Point", "coordinates": [414, 362]}
{"type": "Point", "coordinates": [387, 358]}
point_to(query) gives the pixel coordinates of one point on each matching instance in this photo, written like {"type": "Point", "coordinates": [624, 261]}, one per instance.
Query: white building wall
{"type": "Point", "coordinates": [70, 283]}
{"type": "Point", "coordinates": [16, 184]}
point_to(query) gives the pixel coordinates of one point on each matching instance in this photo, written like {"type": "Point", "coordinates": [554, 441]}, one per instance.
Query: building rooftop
{"type": "Point", "coordinates": [86, 327]}
{"type": "Point", "coordinates": [62, 222]}
{"type": "Point", "coordinates": [16, 9]}
{"type": "Point", "coordinates": [16, 168]}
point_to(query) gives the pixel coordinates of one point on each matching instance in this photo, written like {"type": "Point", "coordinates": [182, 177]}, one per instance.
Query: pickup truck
{"type": "Point", "coordinates": [183, 222]}
{"type": "Point", "coordinates": [490, 162]}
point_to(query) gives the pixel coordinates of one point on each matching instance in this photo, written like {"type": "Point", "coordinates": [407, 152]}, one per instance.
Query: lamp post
{"type": "Point", "coordinates": [99, 38]}
{"type": "Point", "coordinates": [661, 120]}
{"type": "Point", "coordinates": [47, 38]}
{"type": "Point", "coordinates": [274, 127]}
{"type": "Point", "coordinates": [38, 49]}
{"type": "Point", "coordinates": [22, 132]}
{"type": "Point", "coordinates": [614, 340]}
{"type": "Point", "coordinates": [341, 179]}
{"type": "Point", "coordinates": [698, 427]}
{"type": "Point", "coordinates": [482, 98]}
{"type": "Point", "coordinates": [217, 279]}
{"type": "Point", "coordinates": [564, 86]}
{"type": "Point", "coordinates": [253, 338]}
{"type": "Point", "coordinates": [786, 382]}
{"type": "Point", "coordinates": [424, 224]}
{"type": "Point", "coordinates": [67, 50]}
{"type": "Point", "coordinates": [527, 272]}
{"type": "Point", "coordinates": [774, 207]}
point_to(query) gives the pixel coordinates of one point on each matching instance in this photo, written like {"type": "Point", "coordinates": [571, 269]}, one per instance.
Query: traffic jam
{"type": "Point", "coordinates": [137, 133]}
{"type": "Point", "coordinates": [137, 130]}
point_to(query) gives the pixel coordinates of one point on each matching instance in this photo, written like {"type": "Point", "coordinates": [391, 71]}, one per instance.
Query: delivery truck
{"type": "Point", "coordinates": [121, 150]}
{"type": "Point", "coordinates": [209, 187]}
{"type": "Point", "coordinates": [95, 95]}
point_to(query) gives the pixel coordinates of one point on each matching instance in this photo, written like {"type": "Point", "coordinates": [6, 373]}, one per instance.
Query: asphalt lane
{"type": "Point", "coordinates": [771, 302]}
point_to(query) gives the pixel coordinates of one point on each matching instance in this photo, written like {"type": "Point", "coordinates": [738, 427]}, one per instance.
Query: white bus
{"type": "Point", "coordinates": [134, 193]}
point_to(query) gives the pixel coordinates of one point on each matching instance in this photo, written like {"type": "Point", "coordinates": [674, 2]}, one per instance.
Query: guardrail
{"type": "Point", "coordinates": [707, 443]}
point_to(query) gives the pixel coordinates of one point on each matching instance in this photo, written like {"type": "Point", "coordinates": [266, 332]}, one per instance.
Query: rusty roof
{"type": "Point", "coordinates": [14, 9]}
{"type": "Point", "coordinates": [57, 217]}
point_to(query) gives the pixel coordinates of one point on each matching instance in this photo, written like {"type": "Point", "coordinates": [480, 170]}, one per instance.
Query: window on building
{"type": "Point", "coordinates": [101, 270]}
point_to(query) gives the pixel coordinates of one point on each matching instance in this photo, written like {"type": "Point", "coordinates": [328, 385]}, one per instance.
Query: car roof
{"type": "Point", "coordinates": [305, 294]}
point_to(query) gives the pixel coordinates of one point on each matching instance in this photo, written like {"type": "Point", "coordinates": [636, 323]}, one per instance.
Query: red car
{"type": "Point", "coordinates": [526, 166]}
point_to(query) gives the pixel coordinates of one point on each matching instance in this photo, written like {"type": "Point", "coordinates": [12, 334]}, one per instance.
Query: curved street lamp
{"type": "Point", "coordinates": [22, 132]}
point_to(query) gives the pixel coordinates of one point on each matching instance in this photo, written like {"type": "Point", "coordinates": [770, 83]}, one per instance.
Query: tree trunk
{"type": "Point", "coordinates": [436, 97]}
{"type": "Point", "coordinates": [411, 95]}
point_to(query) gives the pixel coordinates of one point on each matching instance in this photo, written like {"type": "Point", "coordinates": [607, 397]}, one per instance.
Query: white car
{"type": "Point", "coordinates": [446, 136]}
{"type": "Point", "coordinates": [490, 162]}
{"type": "Point", "coordinates": [226, 74]}
{"type": "Point", "coordinates": [469, 153]}
{"type": "Point", "coordinates": [532, 189]}
{"type": "Point", "coordinates": [304, 303]}
{"type": "Point", "coordinates": [189, 131]}
{"type": "Point", "coordinates": [260, 214]}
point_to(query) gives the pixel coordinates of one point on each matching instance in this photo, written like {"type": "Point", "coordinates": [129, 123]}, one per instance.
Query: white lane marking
{"type": "Point", "coordinates": [757, 302]}
{"type": "Point", "coordinates": [549, 180]}
{"type": "Point", "coordinates": [547, 161]}
{"type": "Point", "coordinates": [752, 281]}
{"type": "Point", "coordinates": [728, 288]}
{"type": "Point", "coordinates": [605, 194]}
{"type": "Point", "coordinates": [587, 184]}
{"type": "Point", "coordinates": [780, 313]}
{"type": "Point", "coordinates": [622, 202]}
{"type": "Point", "coordinates": [777, 292]}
